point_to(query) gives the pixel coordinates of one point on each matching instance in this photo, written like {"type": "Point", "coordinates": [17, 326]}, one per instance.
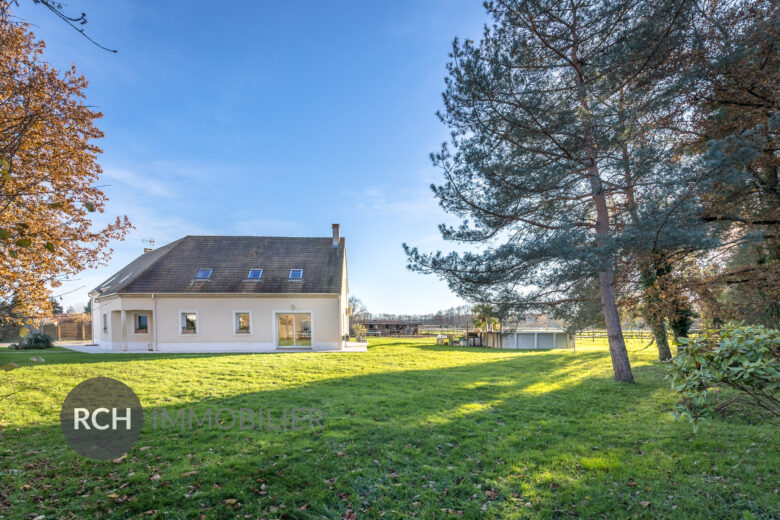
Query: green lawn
{"type": "Point", "coordinates": [409, 430]}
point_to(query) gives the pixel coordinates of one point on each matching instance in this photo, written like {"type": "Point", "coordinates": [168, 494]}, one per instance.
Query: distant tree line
{"type": "Point", "coordinates": [458, 317]}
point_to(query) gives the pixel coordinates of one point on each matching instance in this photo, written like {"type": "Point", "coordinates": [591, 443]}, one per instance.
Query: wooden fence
{"type": "Point", "coordinates": [628, 334]}
{"type": "Point", "coordinates": [59, 331]}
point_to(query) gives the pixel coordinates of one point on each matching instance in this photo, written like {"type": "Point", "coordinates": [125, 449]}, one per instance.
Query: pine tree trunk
{"type": "Point", "coordinates": [617, 345]}
{"type": "Point", "coordinates": [646, 275]}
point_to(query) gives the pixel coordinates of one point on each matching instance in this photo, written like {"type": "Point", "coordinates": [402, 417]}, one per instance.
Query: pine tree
{"type": "Point", "coordinates": [534, 169]}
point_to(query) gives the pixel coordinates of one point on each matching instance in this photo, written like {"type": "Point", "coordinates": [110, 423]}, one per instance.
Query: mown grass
{"type": "Point", "coordinates": [409, 430]}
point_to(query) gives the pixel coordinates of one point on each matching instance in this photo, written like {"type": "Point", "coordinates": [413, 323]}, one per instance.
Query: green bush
{"type": "Point", "coordinates": [35, 340]}
{"type": "Point", "coordinates": [745, 358]}
{"type": "Point", "coordinates": [360, 332]}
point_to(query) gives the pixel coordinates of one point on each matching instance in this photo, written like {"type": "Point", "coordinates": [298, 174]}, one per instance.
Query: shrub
{"type": "Point", "coordinates": [35, 340]}
{"type": "Point", "coordinates": [744, 358]}
{"type": "Point", "coordinates": [360, 332]}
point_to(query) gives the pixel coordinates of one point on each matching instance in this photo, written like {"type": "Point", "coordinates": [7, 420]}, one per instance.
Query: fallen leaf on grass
{"type": "Point", "coordinates": [449, 511]}
{"type": "Point", "coordinates": [232, 503]}
{"type": "Point", "coordinates": [304, 507]}
{"type": "Point", "coordinates": [120, 459]}
{"type": "Point", "coordinates": [190, 473]}
{"type": "Point", "coordinates": [156, 476]}
{"type": "Point", "coordinates": [349, 514]}
{"type": "Point", "coordinates": [644, 503]}
{"type": "Point", "coordinates": [491, 494]}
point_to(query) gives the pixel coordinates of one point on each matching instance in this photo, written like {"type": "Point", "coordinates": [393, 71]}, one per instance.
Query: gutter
{"type": "Point", "coordinates": [154, 322]}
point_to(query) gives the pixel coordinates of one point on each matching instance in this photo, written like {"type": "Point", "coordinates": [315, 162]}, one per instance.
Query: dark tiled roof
{"type": "Point", "coordinates": [171, 268]}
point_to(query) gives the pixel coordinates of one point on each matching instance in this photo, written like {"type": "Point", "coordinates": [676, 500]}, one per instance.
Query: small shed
{"type": "Point", "coordinates": [528, 339]}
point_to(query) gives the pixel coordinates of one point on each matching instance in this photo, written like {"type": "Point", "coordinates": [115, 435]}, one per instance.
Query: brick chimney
{"type": "Point", "coordinates": [336, 235]}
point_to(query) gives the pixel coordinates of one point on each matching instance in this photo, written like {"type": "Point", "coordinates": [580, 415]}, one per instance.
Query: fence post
{"type": "Point", "coordinates": [59, 334]}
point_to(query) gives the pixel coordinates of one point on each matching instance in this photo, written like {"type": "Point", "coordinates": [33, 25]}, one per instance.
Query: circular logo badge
{"type": "Point", "coordinates": [101, 418]}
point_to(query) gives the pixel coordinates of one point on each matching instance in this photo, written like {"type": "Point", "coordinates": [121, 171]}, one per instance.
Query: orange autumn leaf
{"type": "Point", "coordinates": [48, 174]}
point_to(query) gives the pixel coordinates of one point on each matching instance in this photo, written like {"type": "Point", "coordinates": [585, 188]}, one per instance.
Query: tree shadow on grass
{"type": "Point", "coordinates": [528, 436]}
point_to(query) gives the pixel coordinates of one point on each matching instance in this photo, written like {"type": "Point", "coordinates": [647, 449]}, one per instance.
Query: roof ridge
{"type": "Point", "coordinates": [173, 245]}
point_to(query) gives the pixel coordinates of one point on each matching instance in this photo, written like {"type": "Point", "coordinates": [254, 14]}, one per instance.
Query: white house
{"type": "Point", "coordinates": [228, 293]}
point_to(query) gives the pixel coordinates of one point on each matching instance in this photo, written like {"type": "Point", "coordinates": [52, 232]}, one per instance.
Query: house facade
{"type": "Point", "coordinates": [228, 293]}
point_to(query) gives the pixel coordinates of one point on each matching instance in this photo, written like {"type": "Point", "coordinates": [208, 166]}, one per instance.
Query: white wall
{"type": "Point", "coordinates": [216, 321]}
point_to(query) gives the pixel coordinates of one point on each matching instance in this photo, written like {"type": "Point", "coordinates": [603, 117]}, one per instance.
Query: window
{"type": "Point", "coordinates": [204, 274]}
{"type": "Point", "coordinates": [296, 274]}
{"type": "Point", "coordinates": [141, 323]}
{"type": "Point", "coordinates": [243, 322]}
{"type": "Point", "coordinates": [293, 329]}
{"type": "Point", "coordinates": [189, 322]}
{"type": "Point", "coordinates": [105, 322]}
{"type": "Point", "coordinates": [255, 274]}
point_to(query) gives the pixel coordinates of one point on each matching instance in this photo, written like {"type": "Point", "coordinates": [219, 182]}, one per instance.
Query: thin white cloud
{"type": "Point", "coordinates": [139, 184]}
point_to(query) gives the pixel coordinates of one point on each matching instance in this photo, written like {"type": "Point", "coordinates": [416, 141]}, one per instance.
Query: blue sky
{"type": "Point", "coordinates": [272, 118]}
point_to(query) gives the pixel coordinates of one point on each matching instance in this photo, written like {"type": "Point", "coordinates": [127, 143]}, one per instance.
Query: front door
{"type": "Point", "coordinates": [293, 329]}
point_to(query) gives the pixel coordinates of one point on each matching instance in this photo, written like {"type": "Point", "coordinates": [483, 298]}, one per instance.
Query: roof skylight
{"type": "Point", "coordinates": [204, 274]}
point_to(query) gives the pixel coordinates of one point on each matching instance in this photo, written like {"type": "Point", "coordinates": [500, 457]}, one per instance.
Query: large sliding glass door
{"type": "Point", "coordinates": [293, 329]}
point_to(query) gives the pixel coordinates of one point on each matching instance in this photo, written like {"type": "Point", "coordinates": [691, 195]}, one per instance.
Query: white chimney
{"type": "Point", "coordinates": [336, 237]}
